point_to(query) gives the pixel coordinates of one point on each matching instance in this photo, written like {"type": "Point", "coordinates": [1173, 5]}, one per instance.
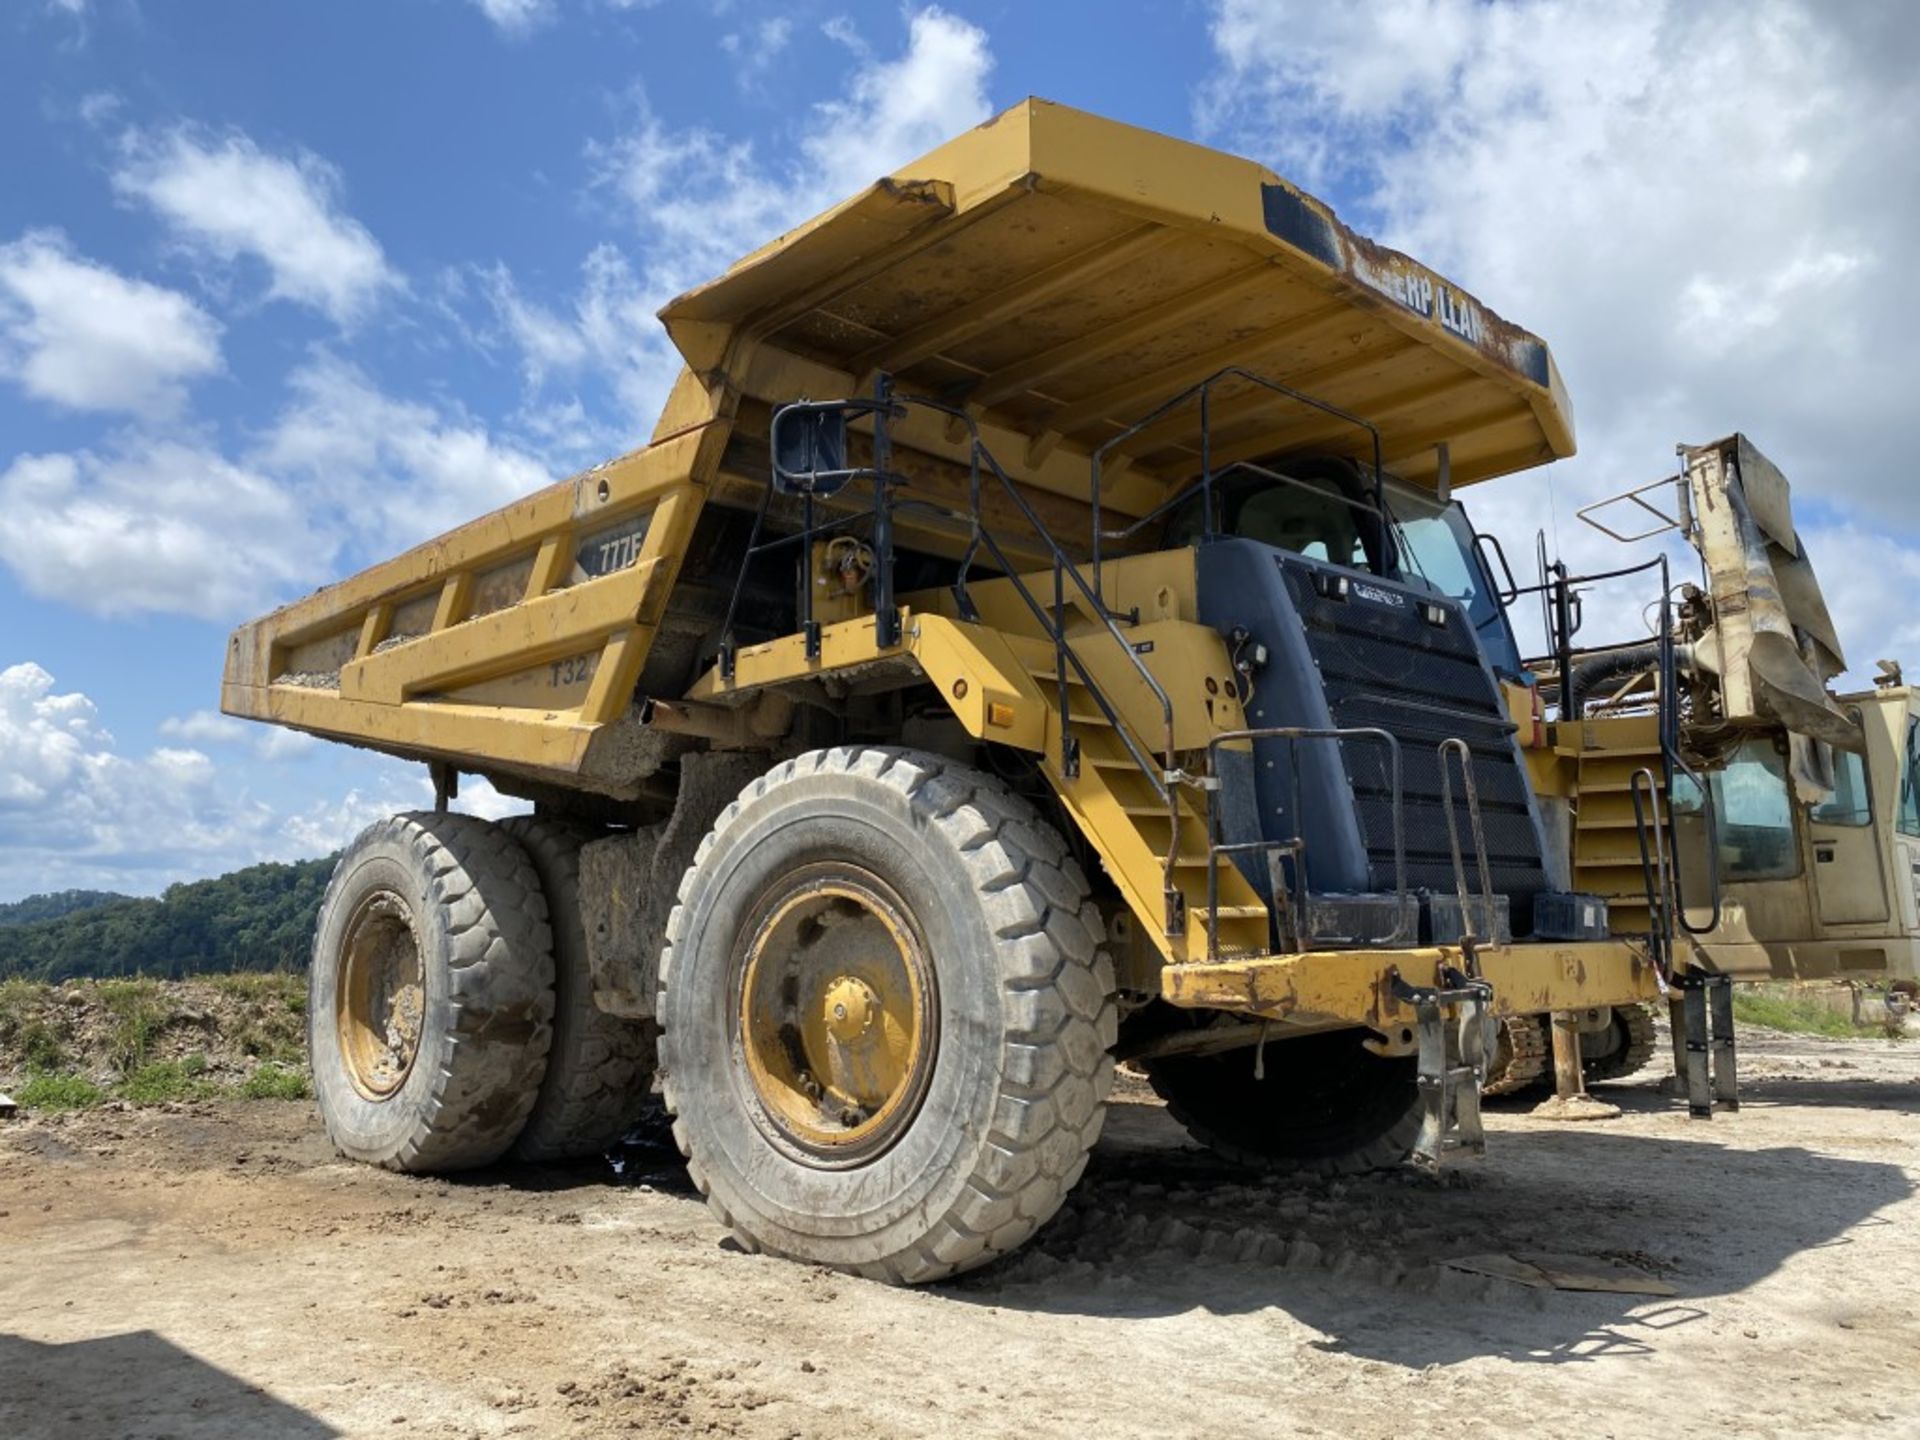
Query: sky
{"type": "Point", "coordinates": [287, 288]}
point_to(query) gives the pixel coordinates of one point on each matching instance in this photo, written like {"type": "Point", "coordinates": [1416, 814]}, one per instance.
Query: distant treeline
{"type": "Point", "coordinates": [260, 918]}
{"type": "Point", "coordinates": [52, 907]}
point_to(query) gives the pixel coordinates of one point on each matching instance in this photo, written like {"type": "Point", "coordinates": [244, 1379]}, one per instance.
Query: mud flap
{"type": "Point", "coordinates": [1454, 1022]}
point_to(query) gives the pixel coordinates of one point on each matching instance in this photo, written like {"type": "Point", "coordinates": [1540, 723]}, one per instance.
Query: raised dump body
{"type": "Point", "coordinates": [1039, 631]}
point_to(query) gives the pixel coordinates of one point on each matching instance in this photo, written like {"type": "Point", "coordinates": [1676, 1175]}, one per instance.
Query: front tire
{"type": "Point", "coordinates": [430, 997]}
{"type": "Point", "coordinates": [886, 1012]}
{"type": "Point", "coordinates": [1323, 1104]}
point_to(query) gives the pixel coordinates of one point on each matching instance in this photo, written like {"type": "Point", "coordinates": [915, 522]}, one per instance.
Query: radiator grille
{"type": "Point", "coordinates": [1384, 664]}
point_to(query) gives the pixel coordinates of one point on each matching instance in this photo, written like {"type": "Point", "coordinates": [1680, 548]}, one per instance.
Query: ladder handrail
{"type": "Point", "coordinates": [1296, 844]}
{"type": "Point", "coordinates": [884, 407]}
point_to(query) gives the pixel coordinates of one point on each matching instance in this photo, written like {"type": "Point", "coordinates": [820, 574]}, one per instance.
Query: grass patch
{"type": "Point", "coordinates": [139, 1012]}
{"type": "Point", "coordinates": [30, 1027]}
{"type": "Point", "coordinates": [163, 1080]}
{"type": "Point", "coordinates": [58, 1092]}
{"type": "Point", "coordinates": [263, 986]}
{"type": "Point", "coordinates": [276, 1082]}
{"type": "Point", "coordinates": [1797, 1015]}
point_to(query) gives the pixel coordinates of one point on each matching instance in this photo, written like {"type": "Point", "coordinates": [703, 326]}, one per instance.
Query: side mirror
{"type": "Point", "coordinates": [809, 444]}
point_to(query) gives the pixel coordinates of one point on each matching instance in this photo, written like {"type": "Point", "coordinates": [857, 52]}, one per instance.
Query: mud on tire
{"type": "Point", "coordinates": [599, 1064]}
{"type": "Point", "coordinates": [430, 999]}
{"type": "Point", "coordinates": [1020, 1020]}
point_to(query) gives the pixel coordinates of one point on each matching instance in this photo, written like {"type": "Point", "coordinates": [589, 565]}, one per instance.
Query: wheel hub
{"type": "Point", "coordinates": [835, 1020]}
{"type": "Point", "coordinates": [851, 1009]}
{"type": "Point", "coordinates": [381, 1000]}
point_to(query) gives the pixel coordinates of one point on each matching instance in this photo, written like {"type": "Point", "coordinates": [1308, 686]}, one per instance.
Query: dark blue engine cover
{"type": "Point", "coordinates": [1347, 649]}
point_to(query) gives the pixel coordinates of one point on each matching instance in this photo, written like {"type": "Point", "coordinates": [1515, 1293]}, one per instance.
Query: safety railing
{"type": "Point", "coordinates": [797, 432]}
{"type": "Point", "coordinates": [1668, 906]}
{"type": "Point", "coordinates": [1289, 895]}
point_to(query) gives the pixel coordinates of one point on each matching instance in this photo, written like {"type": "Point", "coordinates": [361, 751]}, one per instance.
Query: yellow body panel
{"type": "Point", "coordinates": [1353, 987]}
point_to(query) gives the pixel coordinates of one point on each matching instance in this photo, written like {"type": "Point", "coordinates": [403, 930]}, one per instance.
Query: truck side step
{"type": "Point", "coordinates": [1700, 1011]}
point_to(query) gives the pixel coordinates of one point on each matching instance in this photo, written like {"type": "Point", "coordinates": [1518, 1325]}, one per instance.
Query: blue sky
{"type": "Point", "coordinates": [285, 288]}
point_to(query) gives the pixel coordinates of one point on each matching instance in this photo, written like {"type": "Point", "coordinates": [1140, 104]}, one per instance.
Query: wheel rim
{"type": "Point", "coordinates": [381, 1000]}
{"type": "Point", "coordinates": [836, 1015]}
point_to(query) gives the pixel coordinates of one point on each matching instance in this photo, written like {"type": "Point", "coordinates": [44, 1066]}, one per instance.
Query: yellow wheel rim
{"type": "Point", "coordinates": [836, 1012]}
{"type": "Point", "coordinates": [380, 1000]}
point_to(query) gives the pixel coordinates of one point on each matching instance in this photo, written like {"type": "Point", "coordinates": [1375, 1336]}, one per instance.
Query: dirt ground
{"type": "Point", "coordinates": [214, 1271]}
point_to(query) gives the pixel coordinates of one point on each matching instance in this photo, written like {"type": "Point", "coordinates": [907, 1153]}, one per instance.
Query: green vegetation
{"type": "Point", "coordinates": [52, 907]}
{"type": "Point", "coordinates": [150, 1042]}
{"type": "Point", "coordinates": [277, 1082]}
{"type": "Point", "coordinates": [169, 1080]}
{"type": "Point", "coordinates": [1800, 1015]}
{"type": "Point", "coordinates": [58, 1092]}
{"type": "Point", "coordinates": [257, 919]}
{"type": "Point", "coordinates": [26, 1030]}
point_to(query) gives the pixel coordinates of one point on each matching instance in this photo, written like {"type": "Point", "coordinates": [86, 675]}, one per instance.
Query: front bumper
{"type": "Point", "coordinates": [1325, 989]}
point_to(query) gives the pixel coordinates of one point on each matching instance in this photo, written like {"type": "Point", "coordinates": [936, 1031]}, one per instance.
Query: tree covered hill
{"type": "Point", "coordinates": [259, 918]}
{"type": "Point", "coordinates": [52, 907]}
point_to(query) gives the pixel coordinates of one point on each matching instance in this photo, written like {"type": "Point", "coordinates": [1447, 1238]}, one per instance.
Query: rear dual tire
{"type": "Point", "coordinates": [451, 1019]}
{"type": "Point", "coordinates": [430, 997]}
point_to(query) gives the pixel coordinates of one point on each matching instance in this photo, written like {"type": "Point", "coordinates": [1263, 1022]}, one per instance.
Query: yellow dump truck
{"type": "Point", "coordinates": [1039, 633]}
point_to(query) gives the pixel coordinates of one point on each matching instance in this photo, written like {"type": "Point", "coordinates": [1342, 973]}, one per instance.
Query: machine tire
{"type": "Point", "coordinates": [1325, 1105]}
{"type": "Point", "coordinates": [599, 1064]}
{"type": "Point", "coordinates": [430, 997]}
{"type": "Point", "coordinates": [1635, 1041]}
{"type": "Point", "coordinates": [995, 920]}
{"type": "Point", "coordinates": [1522, 1055]}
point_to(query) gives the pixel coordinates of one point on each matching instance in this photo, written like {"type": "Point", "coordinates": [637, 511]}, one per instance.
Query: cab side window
{"type": "Point", "coordinates": [1910, 783]}
{"type": "Point", "coordinates": [1849, 804]}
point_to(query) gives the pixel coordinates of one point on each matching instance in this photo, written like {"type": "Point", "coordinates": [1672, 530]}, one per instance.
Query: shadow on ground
{"type": "Point", "coordinates": [133, 1385]}
{"type": "Point", "coordinates": [1159, 1228]}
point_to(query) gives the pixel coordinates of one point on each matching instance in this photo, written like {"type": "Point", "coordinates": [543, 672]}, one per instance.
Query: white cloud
{"type": "Point", "coordinates": [1704, 211]}
{"type": "Point", "coordinates": [229, 198]}
{"type": "Point", "coordinates": [210, 727]}
{"type": "Point", "coordinates": [516, 17]}
{"type": "Point", "coordinates": [385, 472]}
{"type": "Point", "coordinates": [345, 475]}
{"type": "Point", "coordinates": [755, 49]}
{"type": "Point", "coordinates": [698, 199]}
{"type": "Point", "coordinates": [153, 525]}
{"type": "Point", "coordinates": [76, 811]}
{"type": "Point", "coordinates": [83, 336]}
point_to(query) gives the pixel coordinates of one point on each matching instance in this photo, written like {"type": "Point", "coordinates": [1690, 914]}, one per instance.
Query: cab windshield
{"type": "Point", "coordinates": [1436, 545]}
{"type": "Point", "coordinates": [1327, 513]}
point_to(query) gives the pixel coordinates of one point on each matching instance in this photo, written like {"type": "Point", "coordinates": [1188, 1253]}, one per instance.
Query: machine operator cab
{"type": "Point", "coordinates": [1379, 617]}
{"type": "Point", "coordinates": [1324, 510]}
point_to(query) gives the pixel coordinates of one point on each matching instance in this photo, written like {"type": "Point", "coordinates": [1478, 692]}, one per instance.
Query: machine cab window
{"type": "Point", "coordinates": [1849, 804]}
{"type": "Point", "coordinates": [1910, 783]}
{"type": "Point", "coordinates": [1326, 512]}
{"type": "Point", "coordinates": [1752, 811]}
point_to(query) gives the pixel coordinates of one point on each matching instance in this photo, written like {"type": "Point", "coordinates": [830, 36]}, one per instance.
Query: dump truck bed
{"type": "Point", "coordinates": [1054, 276]}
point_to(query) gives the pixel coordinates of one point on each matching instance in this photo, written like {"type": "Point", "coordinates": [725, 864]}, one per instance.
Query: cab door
{"type": "Point", "coordinates": [1849, 870]}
